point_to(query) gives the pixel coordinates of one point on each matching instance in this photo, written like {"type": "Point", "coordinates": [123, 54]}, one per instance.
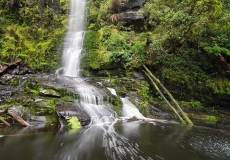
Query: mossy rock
{"type": "Point", "coordinates": [48, 92]}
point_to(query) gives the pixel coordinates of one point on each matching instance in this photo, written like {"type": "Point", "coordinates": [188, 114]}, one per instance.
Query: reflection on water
{"type": "Point", "coordinates": [130, 140]}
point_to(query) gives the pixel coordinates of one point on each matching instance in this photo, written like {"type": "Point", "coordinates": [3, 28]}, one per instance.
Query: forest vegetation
{"type": "Point", "coordinates": [186, 44]}
{"type": "Point", "coordinates": [33, 32]}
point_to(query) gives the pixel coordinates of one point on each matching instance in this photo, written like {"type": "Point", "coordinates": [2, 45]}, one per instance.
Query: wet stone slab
{"type": "Point", "coordinates": [65, 110]}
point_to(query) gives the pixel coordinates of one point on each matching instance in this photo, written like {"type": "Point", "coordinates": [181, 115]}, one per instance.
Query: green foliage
{"type": "Point", "coordinates": [186, 25]}
{"type": "Point", "coordinates": [217, 50]}
{"type": "Point", "coordinates": [91, 40]}
{"type": "Point", "coordinates": [73, 123]}
{"type": "Point", "coordinates": [111, 47]}
{"type": "Point", "coordinates": [32, 34]}
{"type": "Point", "coordinates": [192, 103]}
{"type": "Point", "coordinates": [187, 41]}
{"type": "Point", "coordinates": [219, 85]}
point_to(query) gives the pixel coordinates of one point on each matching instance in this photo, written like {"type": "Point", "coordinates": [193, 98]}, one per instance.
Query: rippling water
{"type": "Point", "coordinates": [130, 140]}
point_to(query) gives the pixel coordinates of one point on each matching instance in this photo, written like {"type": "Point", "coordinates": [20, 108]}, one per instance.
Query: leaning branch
{"type": "Point", "coordinates": [170, 96]}
{"type": "Point", "coordinates": [171, 107]}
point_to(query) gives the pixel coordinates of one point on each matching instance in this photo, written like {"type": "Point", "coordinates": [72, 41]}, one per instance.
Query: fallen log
{"type": "Point", "coordinates": [6, 123]}
{"type": "Point", "coordinates": [14, 116]}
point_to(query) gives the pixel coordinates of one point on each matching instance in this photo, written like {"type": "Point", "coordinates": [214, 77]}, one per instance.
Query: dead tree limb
{"type": "Point", "coordinates": [6, 123]}
{"type": "Point", "coordinates": [170, 96]}
{"type": "Point", "coordinates": [162, 95]}
{"type": "Point", "coordinates": [15, 116]}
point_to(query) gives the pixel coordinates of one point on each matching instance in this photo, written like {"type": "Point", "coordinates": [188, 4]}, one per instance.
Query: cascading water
{"type": "Point", "coordinates": [129, 110]}
{"type": "Point", "coordinates": [74, 38]}
{"type": "Point", "coordinates": [90, 99]}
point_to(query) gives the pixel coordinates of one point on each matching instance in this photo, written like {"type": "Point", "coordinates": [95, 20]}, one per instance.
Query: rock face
{"type": "Point", "coordinates": [132, 4]}
{"type": "Point", "coordinates": [34, 96]}
{"type": "Point", "coordinates": [130, 14]}
{"type": "Point", "coordinates": [14, 68]}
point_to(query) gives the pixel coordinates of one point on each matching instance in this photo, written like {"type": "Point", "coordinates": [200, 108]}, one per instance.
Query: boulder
{"type": "Point", "coordinates": [132, 15]}
{"type": "Point", "coordinates": [132, 4]}
{"type": "Point", "coordinates": [72, 110]}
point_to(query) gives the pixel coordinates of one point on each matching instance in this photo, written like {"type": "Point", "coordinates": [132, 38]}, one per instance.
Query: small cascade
{"type": "Point", "coordinates": [129, 110]}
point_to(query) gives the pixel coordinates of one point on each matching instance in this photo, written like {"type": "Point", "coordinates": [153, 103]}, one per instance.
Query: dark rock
{"type": "Point", "coordinates": [138, 75]}
{"type": "Point", "coordinates": [14, 63]}
{"type": "Point", "coordinates": [15, 68]}
{"type": "Point", "coordinates": [132, 4]}
{"type": "Point", "coordinates": [68, 110]}
{"type": "Point", "coordinates": [55, 5]}
{"type": "Point", "coordinates": [132, 16]}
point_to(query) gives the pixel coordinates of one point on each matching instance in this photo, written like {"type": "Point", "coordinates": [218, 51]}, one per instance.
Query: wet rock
{"type": "Point", "coordinates": [134, 118]}
{"type": "Point", "coordinates": [69, 110]}
{"type": "Point", "coordinates": [48, 92]}
{"type": "Point", "coordinates": [157, 112]}
{"type": "Point", "coordinates": [130, 15]}
{"type": "Point", "coordinates": [132, 4]}
{"type": "Point", "coordinates": [138, 75]}
{"type": "Point", "coordinates": [34, 95]}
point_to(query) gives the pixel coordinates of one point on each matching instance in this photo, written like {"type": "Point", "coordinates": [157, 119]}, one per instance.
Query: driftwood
{"type": "Point", "coordinates": [14, 115]}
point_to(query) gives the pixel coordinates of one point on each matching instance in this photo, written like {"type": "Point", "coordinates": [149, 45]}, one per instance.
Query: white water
{"type": "Point", "coordinates": [74, 38]}
{"type": "Point", "coordinates": [129, 110]}
{"type": "Point", "coordinates": [103, 117]}
{"type": "Point", "coordinates": [113, 91]}
{"type": "Point", "coordinates": [90, 99]}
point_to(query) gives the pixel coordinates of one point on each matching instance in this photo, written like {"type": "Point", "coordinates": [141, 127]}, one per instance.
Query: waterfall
{"type": "Point", "coordinates": [74, 39]}
{"type": "Point", "coordinates": [102, 115]}
{"type": "Point", "coordinates": [91, 100]}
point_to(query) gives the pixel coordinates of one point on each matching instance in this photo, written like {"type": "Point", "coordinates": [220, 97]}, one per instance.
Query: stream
{"type": "Point", "coordinates": [157, 140]}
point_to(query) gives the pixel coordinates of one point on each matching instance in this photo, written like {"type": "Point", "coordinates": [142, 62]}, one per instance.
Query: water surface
{"type": "Point", "coordinates": [129, 140]}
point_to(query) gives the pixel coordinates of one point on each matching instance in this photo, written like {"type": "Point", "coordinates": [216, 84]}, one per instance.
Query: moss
{"type": "Point", "coordinates": [52, 118]}
{"type": "Point", "coordinates": [117, 105]}
{"type": "Point", "coordinates": [210, 119]}
{"type": "Point", "coordinates": [34, 91]}
{"type": "Point", "coordinates": [73, 123]}
{"type": "Point", "coordinates": [33, 34]}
